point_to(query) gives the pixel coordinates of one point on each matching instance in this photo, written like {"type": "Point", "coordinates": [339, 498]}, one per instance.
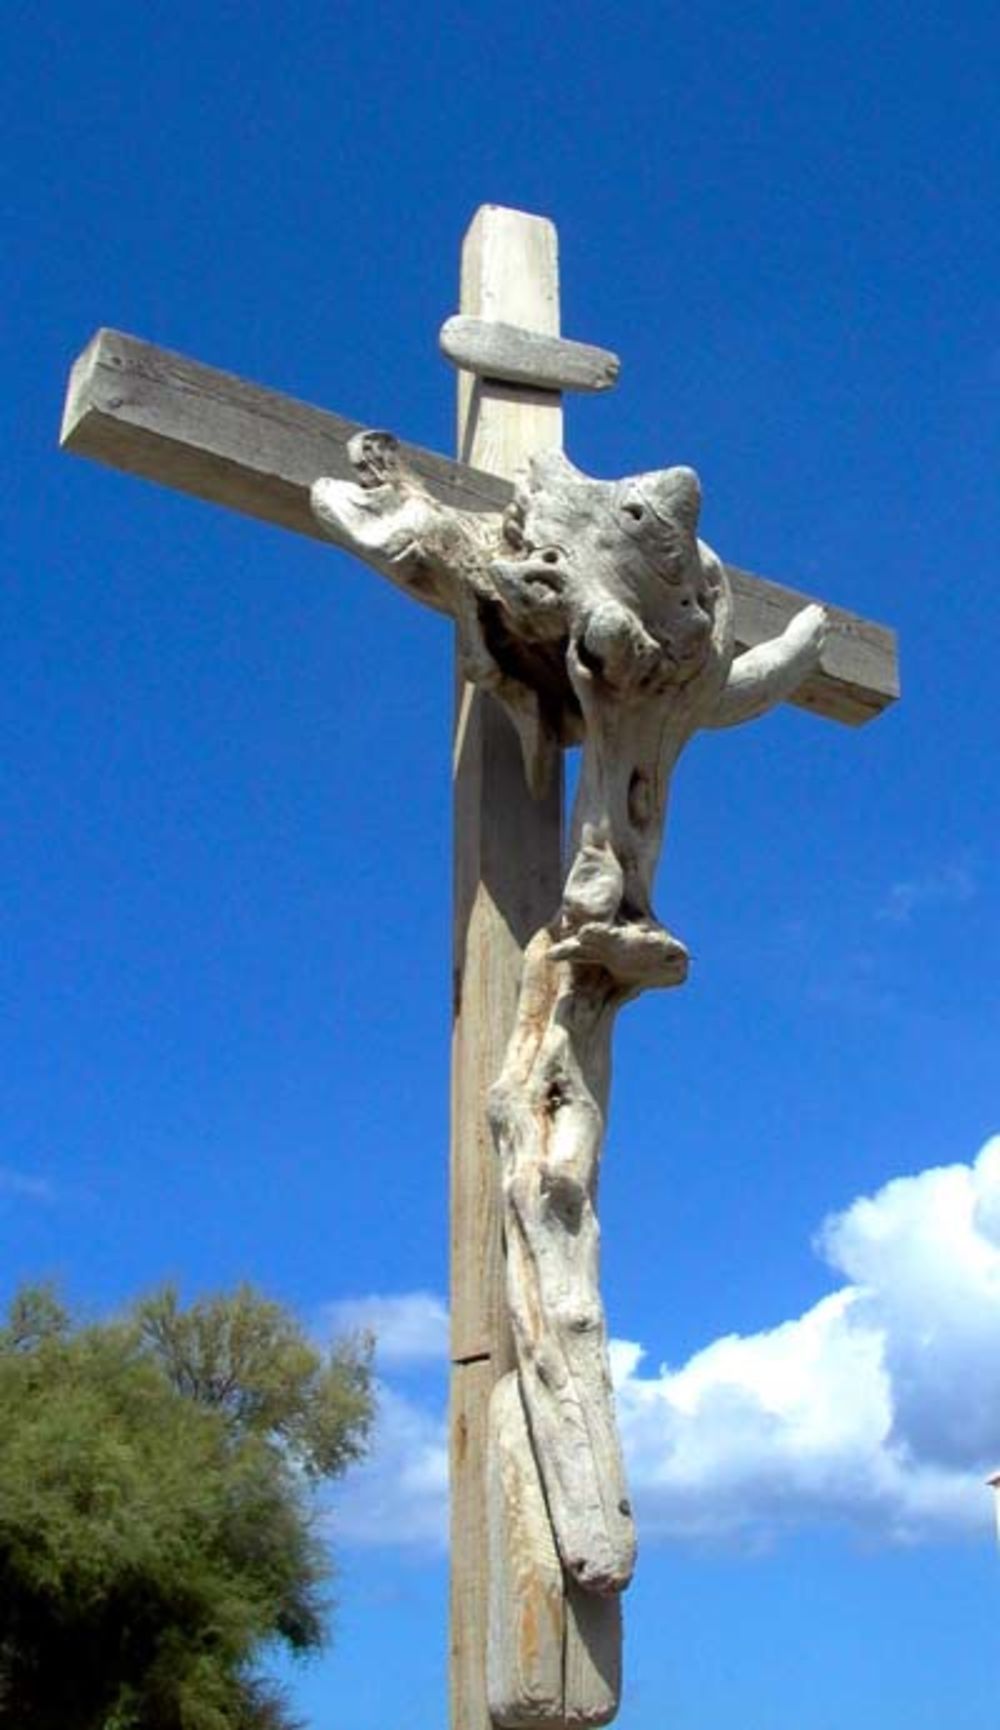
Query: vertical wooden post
{"type": "Point", "coordinates": [507, 883]}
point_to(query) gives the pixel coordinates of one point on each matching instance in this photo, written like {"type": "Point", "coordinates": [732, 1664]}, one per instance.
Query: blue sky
{"type": "Point", "coordinates": [225, 851]}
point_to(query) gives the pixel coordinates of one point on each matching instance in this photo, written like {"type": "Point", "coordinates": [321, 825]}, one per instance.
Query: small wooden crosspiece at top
{"type": "Point", "coordinates": [587, 612]}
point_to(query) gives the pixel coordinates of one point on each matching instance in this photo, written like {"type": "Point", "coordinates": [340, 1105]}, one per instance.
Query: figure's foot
{"type": "Point", "coordinates": [638, 954]}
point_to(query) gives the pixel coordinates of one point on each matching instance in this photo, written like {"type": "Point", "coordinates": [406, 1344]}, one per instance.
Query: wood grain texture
{"type": "Point", "coordinates": [598, 600]}
{"type": "Point", "coordinates": [149, 412]}
{"type": "Point", "coordinates": [554, 1651]}
{"type": "Point", "coordinates": [510, 355]}
{"type": "Point", "coordinates": [510, 272]}
{"type": "Point", "coordinates": [508, 867]}
{"type": "Point", "coordinates": [506, 870]}
{"type": "Point", "coordinates": [471, 1386]}
{"type": "Point", "coordinates": [592, 1662]}
{"type": "Point", "coordinates": [527, 1627]}
{"type": "Point", "coordinates": [548, 1110]}
{"type": "Point", "coordinates": [157, 414]}
{"type": "Point", "coordinates": [858, 673]}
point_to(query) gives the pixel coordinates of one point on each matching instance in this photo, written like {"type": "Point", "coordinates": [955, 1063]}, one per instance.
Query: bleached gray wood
{"type": "Point", "coordinates": [508, 870]}
{"type": "Point", "coordinates": [171, 420]}
{"type": "Point", "coordinates": [555, 1651]}
{"type": "Point", "coordinates": [508, 881]}
{"type": "Point", "coordinates": [157, 414]}
{"type": "Point", "coordinates": [507, 876]}
{"type": "Point", "coordinates": [578, 647]}
{"type": "Point", "coordinates": [511, 355]}
{"type": "Point", "coordinates": [510, 273]}
{"type": "Point", "coordinates": [593, 610]}
{"type": "Point", "coordinates": [548, 1111]}
{"type": "Point", "coordinates": [472, 1382]}
{"type": "Point", "coordinates": [592, 1663]}
{"type": "Point", "coordinates": [527, 1602]}
{"type": "Point", "coordinates": [858, 672]}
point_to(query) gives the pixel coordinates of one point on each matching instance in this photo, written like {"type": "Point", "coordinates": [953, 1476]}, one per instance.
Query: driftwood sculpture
{"type": "Point", "coordinates": [597, 617]}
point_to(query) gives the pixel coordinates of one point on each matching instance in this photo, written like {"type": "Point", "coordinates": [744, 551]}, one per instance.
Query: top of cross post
{"type": "Point", "coordinates": [510, 277]}
{"type": "Point", "coordinates": [513, 362]}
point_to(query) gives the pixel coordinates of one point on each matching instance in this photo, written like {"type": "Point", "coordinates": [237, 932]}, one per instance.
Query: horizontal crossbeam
{"type": "Point", "coordinates": [152, 413]}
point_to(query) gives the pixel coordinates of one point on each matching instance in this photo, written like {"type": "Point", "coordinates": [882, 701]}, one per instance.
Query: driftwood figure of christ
{"type": "Point", "coordinates": [597, 616]}
{"type": "Point", "coordinates": [589, 613]}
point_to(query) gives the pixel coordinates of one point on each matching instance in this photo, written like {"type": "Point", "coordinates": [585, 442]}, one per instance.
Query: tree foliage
{"type": "Point", "coordinates": [157, 1520]}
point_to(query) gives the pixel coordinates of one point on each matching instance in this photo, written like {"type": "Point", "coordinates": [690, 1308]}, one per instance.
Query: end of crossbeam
{"type": "Point", "coordinates": [103, 415]}
{"type": "Point", "coordinates": [858, 674]}
{"type": "Point", "coordinates": [78, 404]}
{"type": "Point", "coordinates": [150, 412]}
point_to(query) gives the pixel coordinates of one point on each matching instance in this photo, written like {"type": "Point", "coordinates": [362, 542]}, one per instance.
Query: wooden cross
{"type": "Point", "coordinates": [207, 433]}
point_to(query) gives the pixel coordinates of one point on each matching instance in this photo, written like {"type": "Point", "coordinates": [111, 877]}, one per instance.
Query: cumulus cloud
{"type": "Point", "coordinates": [410, 1328]}
{"type": "Point", "coordinates": [400, 1496]}
{"type": "Point", "coordinates": [878, 1407]}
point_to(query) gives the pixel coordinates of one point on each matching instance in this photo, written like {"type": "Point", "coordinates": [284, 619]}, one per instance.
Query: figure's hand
{"type": "Point", "coordinates": [808, 631]}
{"type": "Point", "coordinates": [772, 672]}
{"type": "Point", "coordinates": [638, 954]}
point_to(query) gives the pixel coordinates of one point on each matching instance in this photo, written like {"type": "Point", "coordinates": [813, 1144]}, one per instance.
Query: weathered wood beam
{"type": "Point", "coordinates": [505, 352]}
{"type": "Point", "coordinates": [156, 414]}
{"type": "Point", "coordinates": [508, 870]}
{"type": "Point", "coordinates": [190, 427]}
{"type": "Point", "coordinates": [858, 674]}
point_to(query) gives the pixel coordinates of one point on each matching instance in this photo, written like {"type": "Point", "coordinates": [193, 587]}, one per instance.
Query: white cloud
{"type": "Point", "coordinates": [409, 1329]}
{"type": "Point", "coordinates": [400, 1495]}
{"type": "Point", "coordinates": [879, 1407]}
{"type": "Point", "coordinates": [952, 884]}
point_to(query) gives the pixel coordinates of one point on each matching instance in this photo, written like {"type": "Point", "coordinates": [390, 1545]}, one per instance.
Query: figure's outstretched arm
{"type": "Point", "coordinates": [388, 518]}
{"type": "Point", "coordinates": [771, 672]}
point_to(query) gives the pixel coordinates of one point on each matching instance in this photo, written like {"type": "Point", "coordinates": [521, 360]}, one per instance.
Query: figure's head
{"type": "Point", "coordinates": [632, 542]}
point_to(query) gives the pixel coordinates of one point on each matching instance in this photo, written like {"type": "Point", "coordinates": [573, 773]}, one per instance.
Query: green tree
{"type": "Point", "coordinates": [157, 1509]}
